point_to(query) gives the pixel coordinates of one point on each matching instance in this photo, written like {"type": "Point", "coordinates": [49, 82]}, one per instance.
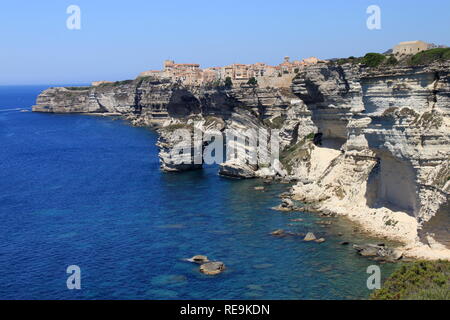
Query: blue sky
{"type": "Point", "coordinates": [119, 39]}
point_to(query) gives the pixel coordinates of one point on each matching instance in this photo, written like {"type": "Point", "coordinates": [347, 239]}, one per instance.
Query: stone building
{"type": "Point", "coordinates": [211, 74]}
{"type": "Point", "coordinates": [187, 73]}
{"type": "Point", "coordinates": [410, 47]}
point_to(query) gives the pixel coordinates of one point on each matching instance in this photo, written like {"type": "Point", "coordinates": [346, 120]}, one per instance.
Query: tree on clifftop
{"type": "Point", "coordinates": [373, 60]}
{"type": "Point", "coordinates": [228, 82]}
{"type": "Point", "coordinates": [252, 81]}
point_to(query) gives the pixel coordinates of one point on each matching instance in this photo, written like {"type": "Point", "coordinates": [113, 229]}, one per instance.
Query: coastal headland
{"type": "Point", "coordinates": [369, 143]}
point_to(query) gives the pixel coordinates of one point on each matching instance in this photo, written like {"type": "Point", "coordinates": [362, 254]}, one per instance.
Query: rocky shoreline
{"type": "Point", "coordinates": [369, 144]}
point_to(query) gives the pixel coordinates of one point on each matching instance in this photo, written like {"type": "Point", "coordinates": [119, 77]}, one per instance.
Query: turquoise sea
{"type": "Point", "coordinates": [87, 191]}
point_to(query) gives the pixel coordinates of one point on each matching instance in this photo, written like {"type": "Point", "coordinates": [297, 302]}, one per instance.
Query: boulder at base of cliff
{"type": "Point", "coordinates": [235, 169]}
{"type": "Point", "coordinates": [286, 205]}
{"type": "Point", "coordinates": [379, 253]}
{"type": "Point", "coordinates": [212, 268]}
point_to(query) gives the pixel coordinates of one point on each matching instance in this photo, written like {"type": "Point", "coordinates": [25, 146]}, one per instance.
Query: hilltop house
{"type": "Point", "coordinates": [410, 47]}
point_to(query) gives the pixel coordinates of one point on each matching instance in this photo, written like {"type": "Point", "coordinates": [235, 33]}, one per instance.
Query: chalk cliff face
{"type": "Point", "coordinates": [372, 144]}
{"type": "Point", "coordinates": [168, 106]}
{"type": "Point", "coordinates": [394, 126]}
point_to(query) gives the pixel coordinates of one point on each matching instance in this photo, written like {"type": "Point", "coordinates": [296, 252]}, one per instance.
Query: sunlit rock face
{"type": "Point", "coordinates": [397, 140]}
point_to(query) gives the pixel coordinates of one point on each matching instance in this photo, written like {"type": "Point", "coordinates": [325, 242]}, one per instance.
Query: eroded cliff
{"type": "Point", "coordinates": [372, 144]}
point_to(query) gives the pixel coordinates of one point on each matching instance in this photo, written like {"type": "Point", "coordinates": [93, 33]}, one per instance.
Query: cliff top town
{"type": "Point", "coordinates": [266, 75]}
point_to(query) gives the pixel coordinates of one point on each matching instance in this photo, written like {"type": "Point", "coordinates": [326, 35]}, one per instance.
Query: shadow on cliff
{"type": "Point", "coordinates": [391, 184]}
{"type": "Point", "coordinates": [184, 103]}
{"type": "Point", "coordinates": [439, 225]}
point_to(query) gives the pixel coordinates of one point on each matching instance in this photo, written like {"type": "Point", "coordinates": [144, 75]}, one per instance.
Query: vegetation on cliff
{"type": "Point", "coordinates": [252, 81]}
{"type": "Point", "coordinates": [300, 151]}
{"type": "Point", "coordinates": [116, 83]}
{"type": "Point", "coordinates": [421, 280]}
{"type": "Point", "coordinates": [430, 56]}
{"type": "Point", "coordinates": [78, 88]}
{"type": "Point", "coordinates": [373, 60]}
{"type": "Point", "coordinates": [228, 82]}
{"type": "Point", "coordinates": [275, 123]}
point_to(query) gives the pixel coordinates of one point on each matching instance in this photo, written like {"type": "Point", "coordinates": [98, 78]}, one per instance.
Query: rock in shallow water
{"type": "Point", "coordinates": [279, 232]}
{"type": "Point", "coordinates": [234, 169]}
{"type": "Point", "coordinates": [198, 259]}
{"type": "Point", "coordinates": [212, 268]}
{"type": "Point", "coordinates": [286, 205]}
{"type": "Point", "coordinates": [379, 253]}
{"type": "Point", "coordinates": [310, 237]}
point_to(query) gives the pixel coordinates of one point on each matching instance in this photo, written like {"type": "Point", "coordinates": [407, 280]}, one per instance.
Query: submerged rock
{"type": "Point", "coordinates": [255, 287]}
{"type": "Point", "coordinates": [263, 266]}
{"type": "Point", "coordinates": [279, 232]}
{"type": "Point", "coordinates": [324, 223]}
{"type": "Point", "coordinates": [212, 268]}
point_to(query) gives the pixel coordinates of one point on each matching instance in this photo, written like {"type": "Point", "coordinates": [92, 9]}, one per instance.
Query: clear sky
{"type": "Point", "coordinates": [119, 39]}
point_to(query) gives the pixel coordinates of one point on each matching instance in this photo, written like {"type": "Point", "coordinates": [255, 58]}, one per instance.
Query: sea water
{"type": "Point", "coordinates": [87, 191]}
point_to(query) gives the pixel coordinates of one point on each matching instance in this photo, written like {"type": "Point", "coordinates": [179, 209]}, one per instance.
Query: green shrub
{"type": "Point", "coordinates": [391, 61]}
{"type": "Point", "coordinates": [119, 83]}
{"type": "Point", "coordinates": [228, 82]}
{"type": "Point", "coordinates": [310, 136]}
{"type": "Point", "coordinates": [351, 59]}
{"type": "Point", "coordinates": [77, 88]}
{"type": "Point", "coordinates": [417, 281]}
{"type": "Point", "coordinates": [252, 81]}
{"type": "Point", "coordinates": [373, 60]}
{"type": "Point", "coordinates": [116, 83]}
{"type": "Point", "coordinates": [430, 56]}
